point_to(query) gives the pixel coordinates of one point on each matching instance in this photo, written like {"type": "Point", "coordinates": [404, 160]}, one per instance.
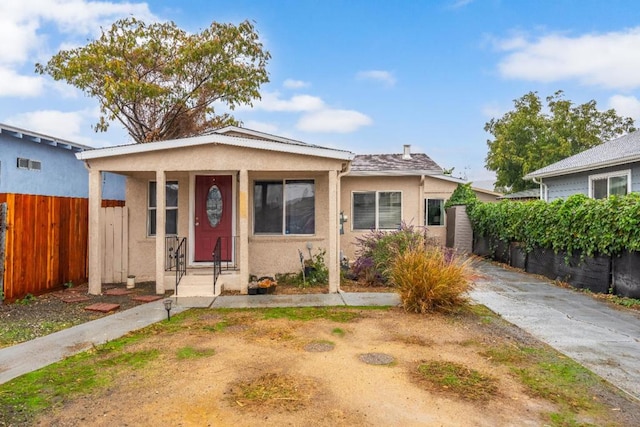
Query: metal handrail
{"type": "Point", "coordinates": [217, 262]}
{"type": "Point", "coordinates": [180, 257]}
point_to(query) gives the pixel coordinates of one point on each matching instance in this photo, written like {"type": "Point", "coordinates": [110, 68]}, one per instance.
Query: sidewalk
{"type": "Point", "coordinates": [40, 352]}
{"type": "Point", "coordinates": [604, 339]}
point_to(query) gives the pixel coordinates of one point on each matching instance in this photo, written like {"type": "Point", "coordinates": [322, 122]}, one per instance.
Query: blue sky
{"type": "Point", "coordinates": [367, 76]}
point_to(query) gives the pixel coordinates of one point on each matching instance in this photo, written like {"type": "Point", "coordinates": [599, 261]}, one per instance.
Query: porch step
{"type": "Point", "coordinates": [201, 285]}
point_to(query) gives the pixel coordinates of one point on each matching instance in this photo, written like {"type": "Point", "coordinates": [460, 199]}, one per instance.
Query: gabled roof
{"type": "Point", "coordinates": [271, 144]}
{"type": "Point", "coordinates": [619, 151]}
{"type": "Point", "coordinates": [393, 164]}
{"type": "Point", "coordinates": [40, 138]}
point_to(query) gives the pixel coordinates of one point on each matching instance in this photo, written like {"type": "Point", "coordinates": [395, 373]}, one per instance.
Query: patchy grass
{"type": "Point", "coordinates": [193, 353]}
{"type": "Point", "coordinates": [334, 314]}
{"type": "Point", "coordinates": [273, 390]}
{"type": "Point", "coordinates": [553, 377]}
{"type": "Point", "coordinates": [460, 380]}
{"type": "Point", "coordinates": [339, 332]}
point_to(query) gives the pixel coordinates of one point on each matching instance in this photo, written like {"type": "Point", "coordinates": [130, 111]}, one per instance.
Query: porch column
{"type": "Point", "coordinates": [333, 246]}
{"type": "Point", "coordinates": [243, 229]}
{"type": "Point", "coordinates": [161, 202]}
{"type": "Point", "coordinates": [95, 252]}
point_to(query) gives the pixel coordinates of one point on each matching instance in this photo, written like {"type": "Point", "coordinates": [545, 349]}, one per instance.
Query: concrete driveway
{"type": "Point", "coordinates": [602, 338]}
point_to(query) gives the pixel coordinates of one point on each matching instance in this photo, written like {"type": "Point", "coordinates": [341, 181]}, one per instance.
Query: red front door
{"type": "Point", "coordinates": [213, 216]}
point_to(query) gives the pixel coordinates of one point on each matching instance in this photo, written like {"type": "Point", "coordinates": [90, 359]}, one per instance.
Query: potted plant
{"type": "Point", "coordinates": [253, 288]}
{"type": "Point", "coordinates": [266, 285]}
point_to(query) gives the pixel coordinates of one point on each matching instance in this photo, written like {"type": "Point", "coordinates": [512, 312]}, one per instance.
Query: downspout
{"type": "Point", "coordinates": [544, 190]}
{"type": "Point", "coordinates": [346, 168]}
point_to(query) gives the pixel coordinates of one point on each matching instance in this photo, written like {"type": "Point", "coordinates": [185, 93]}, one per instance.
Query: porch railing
{"type": "Point", "coordinates": [224, 256]}
{"type": "Point", "coordinates": [176, 257]}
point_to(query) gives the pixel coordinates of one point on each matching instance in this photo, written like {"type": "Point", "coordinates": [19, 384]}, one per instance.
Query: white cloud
{"type": "Point", "coordinates": [377, 75]}
{"type": "Point", "coordinates": [13, 84]}
{"type": "Point", "coordinates": [67, 22]}
{"type": "Point", "coordinates": [609, 60]}
{"type": "Point", "coordinates": [295, 84]}
{"type": "Point", "coordinates": [271, 101]}
{"type": "Point", "coordinates": [627, 106]}
{"type": "Point", "coordinates": [329, 120]}
{"type": "Point", "coordinates": [64, 125]}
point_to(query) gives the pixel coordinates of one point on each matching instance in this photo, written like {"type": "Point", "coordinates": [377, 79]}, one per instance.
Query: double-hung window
{"type": "Point", "coordinates": [377, 210]}
{"type": "Point", "coordinates": [284, 207]}
{"type": "Point", "coordinates": [604, 185]}
{"type": "Point", "coordinates": [171, 212]}
{"type": "Point", "coordinates": [434, 212]}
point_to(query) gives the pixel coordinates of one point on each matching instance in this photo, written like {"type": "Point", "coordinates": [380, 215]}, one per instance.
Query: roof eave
{"type": "Point", "coordinates": [585, 168]}
{"type": "Point", "coordinates": [406, 172]}
{"type": "Point", "coordinates": [216, 139]}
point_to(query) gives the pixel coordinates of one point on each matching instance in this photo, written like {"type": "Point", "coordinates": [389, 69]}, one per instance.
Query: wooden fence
{"type": "Point", "coordinates": [46, 243]}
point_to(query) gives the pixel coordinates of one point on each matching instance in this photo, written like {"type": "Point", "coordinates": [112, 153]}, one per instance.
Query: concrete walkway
{"type": "Point", "coordinates": [40, 352]}
{"type": "Point", "coordinates": [605, 340]}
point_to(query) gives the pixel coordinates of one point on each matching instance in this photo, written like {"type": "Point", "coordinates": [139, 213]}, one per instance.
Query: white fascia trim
{"type": "Point", "coordinates": [406, 172]}
{"type": "Point", "coordinates": [609, 163]}
{"type": "Point", "coordinates": [216, 139]}
{"type": "Point", "coordinates": [41, 138]}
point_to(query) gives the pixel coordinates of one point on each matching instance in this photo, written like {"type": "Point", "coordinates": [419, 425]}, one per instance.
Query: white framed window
{"type": "Point", "coordinates": [171, 211]}
{"type": "Point", "coordinates": [376, 210]}
{"type": "Point", "coordinates": [434, 212]}
{"type": "Point", "coordinates": [604, 185]}
{"type": "Point", "coordinates": [284, 207]}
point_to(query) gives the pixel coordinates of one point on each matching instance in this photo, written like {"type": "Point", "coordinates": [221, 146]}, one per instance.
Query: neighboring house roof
{"type": "Point", "coordinates": [40, 138]}
{"type": "Point", "coordinates": [271, 144]}
{"type": "Point", "coordinates": [406, 164]}
{"type": "Point", "coordinates": [533, 193]}
{"type": "Point", "coordinates": [619, 151]}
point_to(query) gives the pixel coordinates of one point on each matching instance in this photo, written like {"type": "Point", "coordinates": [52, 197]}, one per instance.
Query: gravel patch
{"type": "Point", "coordinates": [319, 347]}
{"type": "Point", "coordinates": [377, 358]}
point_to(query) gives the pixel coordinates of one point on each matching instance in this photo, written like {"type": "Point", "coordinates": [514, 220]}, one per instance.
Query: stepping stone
{"type": "Point", "coordinates": [117, 292]}
{"type": "Point", "coordinates": [147, 298]}
{"type": "Point", "coordinates": [318, 347]}
{"type": "Point", "coordinates": [102, 307]}
{"type": "Point", "coordinates": [79, 298]}
{"type": "Point", "coordinates": [376, 358]}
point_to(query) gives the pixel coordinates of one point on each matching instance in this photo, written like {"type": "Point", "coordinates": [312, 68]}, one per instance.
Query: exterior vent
{"type": "Point", "coordinates": [29, 164]}
{"type": "Point", "coordinates": [23, 163]}
{"type": "Point", "coordinates": [406, 155]}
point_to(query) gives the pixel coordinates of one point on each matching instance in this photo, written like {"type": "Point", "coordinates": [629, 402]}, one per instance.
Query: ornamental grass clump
{"type": "Point", "coordinates": [435, 279]}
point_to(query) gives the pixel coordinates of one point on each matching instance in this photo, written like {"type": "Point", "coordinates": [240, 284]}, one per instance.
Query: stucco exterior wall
{"type": "Point", "coordinates": [411, 202]}
{"type": "Point", "coordinates": [437, 189]}
{"type": "Point", "coordinates": [62, 174]}
{"type": "Point", "coordinates": [268, 254]}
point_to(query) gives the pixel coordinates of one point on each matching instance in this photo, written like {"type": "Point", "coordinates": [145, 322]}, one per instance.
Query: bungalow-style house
{"type": "Point", "coordinates": [33, 163]}
{"type": "Point", "coordinates": [381, 191]}
{"type": "Point", "coordinates": [610, 168]}
{"type": "Point", "coordinates": [264, 198]}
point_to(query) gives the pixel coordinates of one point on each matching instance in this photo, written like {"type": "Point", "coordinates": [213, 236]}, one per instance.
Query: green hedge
{"type": "Point", "coordinates": [607, 226]}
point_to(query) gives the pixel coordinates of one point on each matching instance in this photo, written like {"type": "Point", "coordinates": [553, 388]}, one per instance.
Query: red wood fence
{"type": "Point", "coordinates": [46, 243]}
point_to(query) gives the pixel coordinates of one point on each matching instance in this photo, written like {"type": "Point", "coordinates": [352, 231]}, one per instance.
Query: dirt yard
{"type": "Point", "coordinates": [240, 368]}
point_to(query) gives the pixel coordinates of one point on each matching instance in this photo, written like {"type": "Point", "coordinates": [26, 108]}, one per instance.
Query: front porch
{"type": "Point", "coordinates": [275, 196]}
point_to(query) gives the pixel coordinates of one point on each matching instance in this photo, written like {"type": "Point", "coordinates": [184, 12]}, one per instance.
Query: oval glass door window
{"type": "Point", "coordinates": [214, 206]}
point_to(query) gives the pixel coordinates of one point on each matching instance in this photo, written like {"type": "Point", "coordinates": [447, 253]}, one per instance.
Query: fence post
{"type": "Point", "coordinates": [3, 231]}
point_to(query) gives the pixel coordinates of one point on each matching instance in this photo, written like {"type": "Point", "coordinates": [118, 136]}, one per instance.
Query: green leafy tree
{"type": "Point", "coordinates": [161, 82]}
{"type": "Point", "coordinates": [533, 135]}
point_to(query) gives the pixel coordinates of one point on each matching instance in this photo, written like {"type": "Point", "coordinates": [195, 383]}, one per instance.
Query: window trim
{"type": "Point", "coordinates": [166, 208]}
{"type": "Point", "coordinates": [377, 212]}
{"type": "Point", "coordinates": [284, 205]}
{"type": "Point", "coordinates": [608, 175]}
{"type": "Point", "coordinates": [426, 212]}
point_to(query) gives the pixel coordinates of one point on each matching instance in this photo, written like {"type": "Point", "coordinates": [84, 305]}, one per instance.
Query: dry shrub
{"type": "Point", "coordinates": [272, 390]}
{"type": "Point", "coordinates": [429, 280]}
